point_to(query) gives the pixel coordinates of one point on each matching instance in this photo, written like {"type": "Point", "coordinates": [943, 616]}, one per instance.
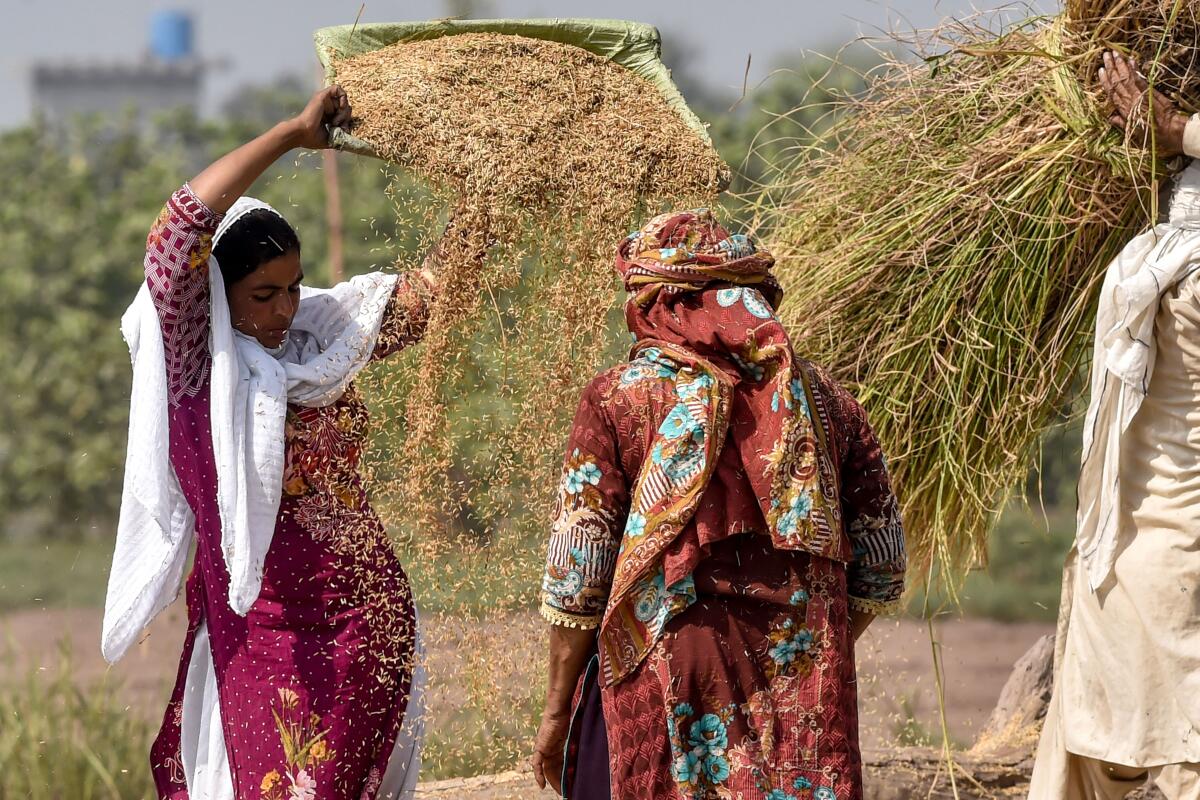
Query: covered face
{"type": "Point", "coordinates": [683, 251]}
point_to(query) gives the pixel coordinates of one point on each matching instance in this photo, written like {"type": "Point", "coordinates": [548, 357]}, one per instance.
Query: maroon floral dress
{"type": "Point", "coordinates": [735, 676]}
{"type": "Point", "coordinates": [313, 682]}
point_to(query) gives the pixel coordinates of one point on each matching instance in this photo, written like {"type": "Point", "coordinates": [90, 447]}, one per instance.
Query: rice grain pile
{"type": "Point", "coordinates": [943, 245]}
{"type": "Point", "coordinates": [547, 155]}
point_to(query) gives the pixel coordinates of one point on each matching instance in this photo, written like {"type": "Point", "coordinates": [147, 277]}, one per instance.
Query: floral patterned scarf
{"type": "Point", "coordinates": [702, 304]}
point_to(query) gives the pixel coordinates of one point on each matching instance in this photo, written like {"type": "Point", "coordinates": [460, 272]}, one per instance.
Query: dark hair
{"type": "Point", "coordinates": [258, 237]}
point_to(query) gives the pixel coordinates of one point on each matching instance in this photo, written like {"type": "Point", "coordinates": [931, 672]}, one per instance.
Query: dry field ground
{"type": "Point", "coordinates": [897, 696]}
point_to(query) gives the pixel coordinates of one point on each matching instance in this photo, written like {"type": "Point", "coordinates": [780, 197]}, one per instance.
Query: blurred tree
{"type": "Point", "coordinates": [259, 106]}
{"type": "Point", "coordinates": [755, 131]}
{"type": "Point", "coordinates": [790, 108]}
{"type": "Point", "coordinates": [73, 223]}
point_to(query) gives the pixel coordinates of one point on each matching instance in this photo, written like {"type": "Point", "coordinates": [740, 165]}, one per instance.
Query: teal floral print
{"type": "Point", "coordinates": [792, 650]}
{"type": "Point", "coordinates": [693, 389]}
{"type": "Point", "coordinates": [635, 525]}
{"type": "Point", "coordinates": [680, 454]}
{"type": "Point", "coordinates": [799, 509]}
{"type": "Point", "coordinates": [566, 582]}
{"type": "Point", "coordinates": [792, 399]}
{"type": "Point", "coordinates": [683, 463]}
{"type": "Point", "coordinates": [656, 602]}
{"type": "Point", "coordinates": [650, 364]}
{"type": "Point", "coordinates": [787, 651]}
{"type": "Point", "coordinates": [753, 371]}
{"type": "Point", "coordinates": [799, 396]}
{"type": "Point", "coordinates": [687, 769]}
{"type": "Point", "coordinates": [680, 423]}
{"type": "Point", "coordinates": [738, 245]}
{"type": "Point", "coordinates": [751, 299]}
{"type": "Point", "coordinates": [585, 474]}
{"type": "Point", "coordinates": [700, 762]}
{"type": "Point", "coordinates": [579, 563]}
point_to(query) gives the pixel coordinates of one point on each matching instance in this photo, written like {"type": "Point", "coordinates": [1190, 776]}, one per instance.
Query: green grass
{"type": "Point", "coordinates": [1023, 579]}
{"type": "Point", "coordinates": [59, 740]}
{"type": "Point", "coordinates": [39, 573]}
{"type": "Point", "coordinates": [475, 581]}
{"type": "Point", "coordinates": [1021, 583]}
{"type": "Point", "coordinates": [909, 731]}
{"type": "Point", "coordinates": [472, 743]}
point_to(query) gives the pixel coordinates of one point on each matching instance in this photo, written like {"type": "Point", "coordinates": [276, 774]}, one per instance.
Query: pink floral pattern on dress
{"type": "Point", "coordinates": [304, 748]}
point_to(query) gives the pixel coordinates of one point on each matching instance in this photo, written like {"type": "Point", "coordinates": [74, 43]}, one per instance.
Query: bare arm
{"type": "Point", "coordinates": [570, 649]}
{"type": "Point", "coordinates": [581, 556]}
{"type": "Point", "coordinates": [228, 178]}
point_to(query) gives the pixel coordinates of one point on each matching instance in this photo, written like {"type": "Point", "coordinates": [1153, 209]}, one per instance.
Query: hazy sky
{"type": "Point", "coordinates": [258, 40]}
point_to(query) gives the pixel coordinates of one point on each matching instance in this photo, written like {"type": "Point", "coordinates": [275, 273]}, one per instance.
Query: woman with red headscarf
{"type": "Point", "coordinates": [726, 529]}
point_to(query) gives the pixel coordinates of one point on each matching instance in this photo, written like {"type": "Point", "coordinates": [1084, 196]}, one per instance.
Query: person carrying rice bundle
{"type": "Point", "coordinates": [298, 676]}
{"type": "Point", "coordinates": [1126, 702]}
{"type": "Point", "coordinates": [726, 529]}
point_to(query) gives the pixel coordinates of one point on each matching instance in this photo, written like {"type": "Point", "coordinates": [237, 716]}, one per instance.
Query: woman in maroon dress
{"type": "Point", "coordinates": [726, 529]}
{"type": "Point", "coordinates": [245, 436]}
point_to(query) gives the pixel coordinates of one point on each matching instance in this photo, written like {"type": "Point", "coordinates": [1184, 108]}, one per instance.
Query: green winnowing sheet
{"type": "Point", "coordinates": [634, 45]}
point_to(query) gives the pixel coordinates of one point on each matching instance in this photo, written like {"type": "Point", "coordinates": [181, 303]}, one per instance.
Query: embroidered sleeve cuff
{"type": "Point", "coordinates": [877, 607]}
{"type": "Point", "coordinates": [556, 616]}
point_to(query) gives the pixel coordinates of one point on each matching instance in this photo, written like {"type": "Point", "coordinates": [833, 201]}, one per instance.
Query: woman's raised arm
{"type": "Point", "coordinates": [228, 178]}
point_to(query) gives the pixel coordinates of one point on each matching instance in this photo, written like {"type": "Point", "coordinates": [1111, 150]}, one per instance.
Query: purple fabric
{"type": "Point", "coordinates": [589, 773]}
{"type": "Point", "coordinates": [305, 634]}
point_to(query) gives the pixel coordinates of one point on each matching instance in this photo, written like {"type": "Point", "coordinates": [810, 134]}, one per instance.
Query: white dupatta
{"type": "Point", "coordinates": [332, 337]}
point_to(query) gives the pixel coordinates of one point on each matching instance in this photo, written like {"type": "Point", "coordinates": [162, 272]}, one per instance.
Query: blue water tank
{"type": "Point", "coordinates": [171, 35]}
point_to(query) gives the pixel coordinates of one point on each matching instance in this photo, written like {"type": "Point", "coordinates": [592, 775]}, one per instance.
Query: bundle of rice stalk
{"type": "Point", "coordinates": [944, 243]}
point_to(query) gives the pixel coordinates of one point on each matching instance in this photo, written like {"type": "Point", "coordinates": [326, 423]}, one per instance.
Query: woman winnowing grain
{"type": "Point", "coordinates": [298, 677]}
{"type": "Point", "coordinates": [726, 529]}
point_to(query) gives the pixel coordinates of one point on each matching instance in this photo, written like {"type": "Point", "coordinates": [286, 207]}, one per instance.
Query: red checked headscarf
{"type": "Point", "coordinates": [687, 250]}
{"type": "Point", "coordinates": [702, 303]}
